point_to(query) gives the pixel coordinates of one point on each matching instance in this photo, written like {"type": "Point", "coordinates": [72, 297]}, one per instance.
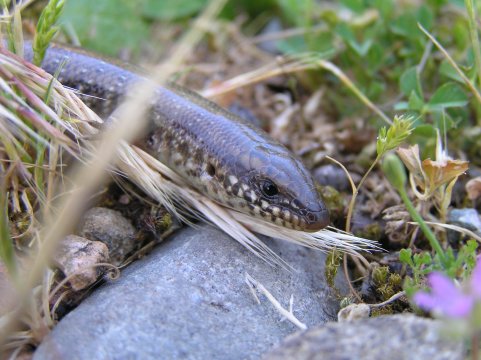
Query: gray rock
{"type": "Point", "coordinates": [188, 299]}
{"type": "Point", "coordinates": [270, 46]}
{"type": "Point", "coordinates": [395, 337]}
{"type": "Point", "coordinates": [467, 218]}
{"type": "Point", "coordinates": [111, 228]}
{"type": "Point", "coordinates": [332, 175]}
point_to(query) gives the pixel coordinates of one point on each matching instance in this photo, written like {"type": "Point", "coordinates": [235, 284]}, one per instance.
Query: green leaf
{"type": "Point", "coordinates": [357, 6]}
{"type": "Point", "coordinates": [361, 48]}
{"type": "Point", "coordinates": [376, 90]}
{"type": "Point", "coordinates": [425, 130]}
{"type": "Point", "coordinates": [405, 256]}
{"type": "Point", "coordinates": [460, 32]}
{"type": "Point", "coordinates": [425, 17]}
{"type": "Point", "coordinates": [458, 3]}
{"type": "Point", "coordinates": [169, 10]}
{"type": "Point", "coordinates": [347, 35]}
{"type": "Point", "coordinates": [422, 259]}
{"type": "Point", "coordinates": [107, 26]}
{"type": "Point", "coordinates": [385, 7]}
{"type": "Point", "coordinates": [401, 106]}
{"type": "Point", "coordinates": [406, 26]}
{"type": "Point", "coordinates": [7, 254]}
{"type": "Point", "coordinates": [443, 121]}
{"type": "Point", "coordinates": [448, 70]}
{"type": "Point", "coordinates": [295, 45]}
{"type": "Point", "coordinates": [298, 12]}
{"type": "Point", "coordinates": [410, 287]}
{"type": "Point", "coordinates": [409, 82]}
{"type": "Point", "coordinates": [468, 254]}
{"type": "Point", "coordinates": [415, 102]}
{"type": "Point", "coordinates": [321, 43]}
{"type": "Point", "coordinates": [375, 57]}
{"type": "Point", "coordinates": [330, 16]}
{"type": "Point", "coordinates": [447, 96]}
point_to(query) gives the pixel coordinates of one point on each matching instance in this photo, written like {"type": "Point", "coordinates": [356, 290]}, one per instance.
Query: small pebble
{"type": "Point", "coordinates": [77, 257]}
{"type": "Point", "coordinates": [111, 228]}
{"type": "Point", "coordinates": [467, 218]}
{"type": "Point", "coordinates": [333, 176]}
{"type": "Point", "coordinates": [353, 312]}
{"type": "Point", "coordinates": [473, 188]}
{"type": "Point", "coordinates": [272, 27]}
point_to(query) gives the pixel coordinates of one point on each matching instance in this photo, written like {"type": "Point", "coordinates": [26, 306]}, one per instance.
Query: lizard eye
{"type": "Point", "coordinates": [268, 188]}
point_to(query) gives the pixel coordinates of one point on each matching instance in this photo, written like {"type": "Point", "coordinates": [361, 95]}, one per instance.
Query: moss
{"type": "Point", "coordinates": [333, 200]}
{"type": "Point", "coordinates": [346, 301]}
{"type": "Point", "coordinates": [371, 231]}
{"type": "Point", "coordinates": [163, 222]}
{"type": "Point", "coordinates": [333, 261]}
{"type": "Point", "coordinates": [385, 310]}
{"type": "Point", "coordinates": [386, 283]}
{"type": "Point", "coordinates": [379, 275]}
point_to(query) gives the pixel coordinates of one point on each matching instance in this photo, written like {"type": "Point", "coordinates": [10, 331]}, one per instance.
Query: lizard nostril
{"type": "Point", "coordinates": [210, 169]}
{"type": "Point", "coordinates": [316, 221]}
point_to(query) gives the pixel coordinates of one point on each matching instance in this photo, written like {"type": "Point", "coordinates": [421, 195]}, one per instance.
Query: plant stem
{"type": "Point", "coordinates": [475, 346]}
{"type": "Point", "coordinates": [466, 80]}
{"type": "Point", "coordinates": [350, 209]}
{"type": "Point", "coordinates": [7, 252]}
{"type": "Point", "coordinates": [329, 66]}
{"type": "Point", "coordinates": [473, 30]}
{"type": "Point", "coordinates": [424, 227]}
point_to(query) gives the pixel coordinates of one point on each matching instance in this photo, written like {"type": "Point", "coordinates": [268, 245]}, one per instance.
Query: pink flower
{"type": "Point", "coordinates": [447, 299]}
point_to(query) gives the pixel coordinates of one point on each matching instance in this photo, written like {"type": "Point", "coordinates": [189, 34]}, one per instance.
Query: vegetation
{"type": "Point", "coordinates": [390, 90]}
